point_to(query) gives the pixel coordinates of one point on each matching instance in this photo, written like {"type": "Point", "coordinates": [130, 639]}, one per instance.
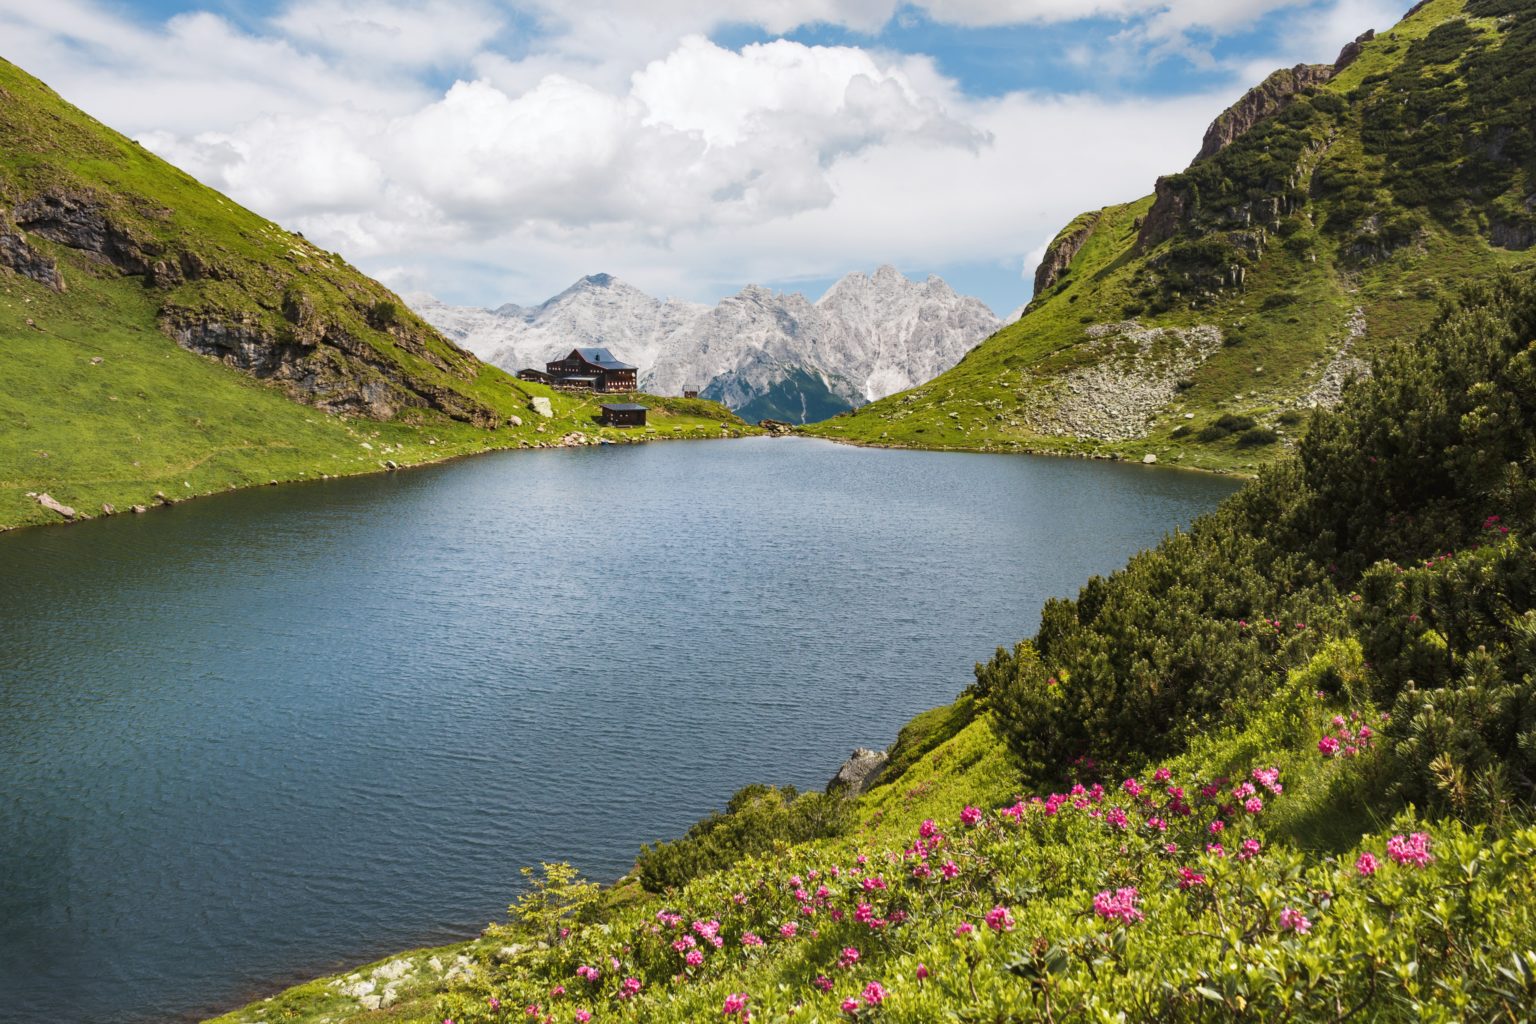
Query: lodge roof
{"type": "Point", "coordinates": [625, 407]}
{"type": "Point", "coordinates": [604, 358]}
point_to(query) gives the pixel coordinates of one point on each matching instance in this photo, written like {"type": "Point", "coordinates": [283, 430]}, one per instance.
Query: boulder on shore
{"type": "Point", "coordinates": [541, 405]}
{"type": "Point", "coordinates": [858, 773]}
{"type": "Point", "coordinates": [48, 502]}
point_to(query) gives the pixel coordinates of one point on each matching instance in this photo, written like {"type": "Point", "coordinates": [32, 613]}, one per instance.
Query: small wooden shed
{"type": "Point", "coordinates": [623, 414]}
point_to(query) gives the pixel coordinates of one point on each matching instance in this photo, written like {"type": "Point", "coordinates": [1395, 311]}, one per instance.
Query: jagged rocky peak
{"type": "Point", "coordinates": [762, 352]}
{"type": "Point", "coordinates": [1263, 101]}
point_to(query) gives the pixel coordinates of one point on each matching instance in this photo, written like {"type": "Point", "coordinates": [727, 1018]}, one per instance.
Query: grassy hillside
{"type": "Point", "coordinates": [155, 337]}
{"type": "Point", "coordinates": [1249, 286]}
{"type": "Point", "coordinates": [1280, 767]}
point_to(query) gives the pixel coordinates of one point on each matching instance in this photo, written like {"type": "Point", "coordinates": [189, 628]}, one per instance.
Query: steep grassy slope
{"type": "Point", "coordinates": [1250, 285]}
{"type": "Point", "coordinates": [1281, 767]}
{"type": "Point", "coordinates": [155, 337]}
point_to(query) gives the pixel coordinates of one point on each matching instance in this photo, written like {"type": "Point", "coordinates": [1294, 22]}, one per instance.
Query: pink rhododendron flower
{"type": "Point", "coordinates": [693, 958]}
{"type": "Point", "coordinates": [1250, 850]}
{"type": "Point", "coordinates": [1216, 827]}
{"type": "Point", "coordinates": [970, 815]}
{"type": "Point", "coordinates": [1365, 864]}
{"type": "Point", "coordinates": [750, 939]}
{"type": "Point", "coordinates": [999, 920]}
{"type": "Point", "coordinates": [1412, 849]}
{"type": "Point", "coordinates": [582, 1016]}
{"type": "Point", "coordinates": [1215, 849]}
{"type": "Point", "coordinates": [734, 1004]}
{"type": "Point", "coordinates": [850, 1005]}
{"type": "Point", "coordinates": [1131, 786]}
{"type": "Point", "coordinates": [1328, 746]}
{"type": "Point", "coordinates": [1119, 905]}
{"type": "Point", "coordinates": [1253, 805]}
{"type": "Point", "coordinates": [1293, 920]}
{"type": "Point", "coordinates": [949, 869]}
{"type": "Point", "coordinates": [823, 982]}
{"type": "Point", "coordinates": [922, 972]}
{"type": "Point", "coordinates": [1157, 823]}
{"type": "Point", "coordinates": [848, 957]}
{"type": "Point", "coordinates": [1189, 878]}
{"type": "Point", "coordinates": [874, 993]}
{"type": "Point", "coordinates": [629, 988]}
{"type": "Point", "coordinates": [788, 929]}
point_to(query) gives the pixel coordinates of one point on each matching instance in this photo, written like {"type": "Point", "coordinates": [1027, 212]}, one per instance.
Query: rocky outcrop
{"type": "Point", "coordinates": [81, 222]}
{"type": "Point", "coordinates": [858, 773]}
{"type": "Point", "coordinates": [1353, 50]}
{"type": "Point", "coordinates": [314, 355]}
{"type": "Point", "coordinates": [319, 364]}
{"type": "Point", "coordinates": [1062, 251]}
{"type": "Point", "coordinates": [1171, 205]}
{"type": "Point", "coordinates": [17, 254]}
{"type": "Point", "coordinates": [1514, 235]}
{"type": "Point", "coordinates": [1263, 101]}
{"type": "Point", "coordinates": [1164, 218]}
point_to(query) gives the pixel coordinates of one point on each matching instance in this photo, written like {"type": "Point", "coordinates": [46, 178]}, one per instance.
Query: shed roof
{"type": "Point", "coordinates": [625, 407]}
{"type": "Point", "coordinates": [604, 358]}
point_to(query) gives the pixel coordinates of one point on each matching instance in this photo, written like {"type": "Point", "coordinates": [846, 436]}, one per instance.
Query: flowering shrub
{"type": "Point", "coordinates": [1191, 733]}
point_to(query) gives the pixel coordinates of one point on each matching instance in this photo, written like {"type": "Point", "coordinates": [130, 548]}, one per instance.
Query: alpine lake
{"type": "Point", "coordinates": [273, 734]}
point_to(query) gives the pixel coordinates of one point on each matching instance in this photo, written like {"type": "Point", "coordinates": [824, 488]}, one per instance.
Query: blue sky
{"type": "Point", "coordinates": [489, 151]}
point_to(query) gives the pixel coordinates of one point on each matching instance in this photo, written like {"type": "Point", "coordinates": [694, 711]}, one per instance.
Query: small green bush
{"type": "Point", "coordinates": [1257, 437]}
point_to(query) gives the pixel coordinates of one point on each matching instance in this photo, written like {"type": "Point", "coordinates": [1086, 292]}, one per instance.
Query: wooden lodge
{"type": "Point", "coordinates": [586, 369]}
{"type": "Point", "coordinates": [623, 414]}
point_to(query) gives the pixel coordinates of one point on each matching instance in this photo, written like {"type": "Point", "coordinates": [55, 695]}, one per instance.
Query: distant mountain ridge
{"type": "Point", "coordinates": [760, 352]}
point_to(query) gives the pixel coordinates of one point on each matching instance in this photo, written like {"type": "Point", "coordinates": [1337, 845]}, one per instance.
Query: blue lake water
{"type": "Point", "coordinates": [275, 733]}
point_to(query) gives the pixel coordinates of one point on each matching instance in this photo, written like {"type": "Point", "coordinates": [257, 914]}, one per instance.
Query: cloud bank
{"type": "Point", "coordinates": [490, 153]}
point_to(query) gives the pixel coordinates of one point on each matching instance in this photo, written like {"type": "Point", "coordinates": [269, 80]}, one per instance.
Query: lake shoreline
{"type": "Point", "coordinates": [1023, 450]}
{"type": "Point", "coordinates": [303, 729]}
{"type": "Point", "coordinates": [520, 444]}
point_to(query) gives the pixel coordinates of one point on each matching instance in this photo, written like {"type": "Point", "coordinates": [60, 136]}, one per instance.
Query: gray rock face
{"type": "Point", "coordinates": [858, 773]}
{"type": "Point", "coordinates": [17, 254]}
{"type": "Point", "coordinates": [1062, 251]}
{"type": "Point", "coordinates": [1353, 50]}
{"type": "Point", "coordinates": [1263, 101]}
{"type": "Point", "coordinates": [869, 336]}
{"type": "Point", "coordinates": [541, 406]}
